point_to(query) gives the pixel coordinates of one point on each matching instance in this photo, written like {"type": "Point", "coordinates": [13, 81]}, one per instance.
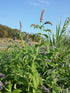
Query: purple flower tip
{"type": "Point", "coordinates": [48, 60]}
{"type": "Point", "coordinates": [1, 85]}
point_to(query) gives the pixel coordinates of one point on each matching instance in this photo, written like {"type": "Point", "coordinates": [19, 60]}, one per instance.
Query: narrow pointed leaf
{"type": "Point", "coordinates": [47, 30]}
{"type": "Point", "coordinates": [45, 35]}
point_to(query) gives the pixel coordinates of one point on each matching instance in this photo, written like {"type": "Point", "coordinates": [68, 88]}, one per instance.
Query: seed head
{"type": "Point", "coordinates": [7, 82]}
{"type": "Point", "coordinates": [2, 76]}
{"type": "Point", "coordinates": [29, 44]}
{"type": "Point", "coordinates": [55, 56]}
{"type": "Point", "coordinates": [54, 69]}
{"type": "Point", "coordinates": [1, 86]}
{"type": "Point", "coordinates": [48, 60]}
{"type": "Point", "coordinates": [43, 53]}
{"type": "Point", "coordinates": [41, 18]}
{"type": "Point", "coordinates": [52, 47]}
{"type": "Point", "coordinates": [32, 25]}
{"type": "Point", "coordinates": [48, 22]}
{"type": "Point", "coordinates": [66, 59]}
{"type": "Point", "coordinates": [20, 26]}
{"type": "Point", "coordinates": [69, 65]}
{"type": "Point", "coordinates": [45, 89]}
{"type": "Point", "coordinates": [62, 65]}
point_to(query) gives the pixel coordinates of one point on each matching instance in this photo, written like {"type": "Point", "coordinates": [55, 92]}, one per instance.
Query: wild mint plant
{"type": "Point", "coordinates": [40, 28]}
{"type": "Point", "coordinates": [40, 68]}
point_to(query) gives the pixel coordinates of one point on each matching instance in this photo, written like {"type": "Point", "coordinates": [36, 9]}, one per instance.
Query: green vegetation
{"type": "Point", "coordinates": [40, 68]}
{"type": "Point", "coordinates": [7, 32]}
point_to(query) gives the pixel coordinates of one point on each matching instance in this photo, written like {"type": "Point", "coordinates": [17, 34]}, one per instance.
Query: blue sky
{"type": "Point", "coordinates": [29, 11]}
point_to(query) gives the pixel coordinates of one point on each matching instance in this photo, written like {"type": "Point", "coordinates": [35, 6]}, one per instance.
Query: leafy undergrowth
{"type": "Point", "coordinates": [39, 68]}
{"type": "Point", "coordinates": [4, 42]}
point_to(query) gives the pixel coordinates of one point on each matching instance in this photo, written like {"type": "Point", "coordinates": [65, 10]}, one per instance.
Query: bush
{"type": "Point", "coordinates": [40, 68]}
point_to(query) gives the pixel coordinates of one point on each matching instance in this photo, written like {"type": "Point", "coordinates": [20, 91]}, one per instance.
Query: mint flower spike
{"type": "Point", "coordinates": [32, 25]}
{"type": "Point", "coordinates": [20, 25]}
{"type": "Point", "coordinates": [41, 18]}
{"type": "Point", "coordinates": [1, 86]}
{"type": "Point", "coordinates": [48, 22]}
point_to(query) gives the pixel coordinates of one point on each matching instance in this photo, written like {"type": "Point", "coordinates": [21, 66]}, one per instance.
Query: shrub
{"type": "Point", "coordinates": [40, 68]}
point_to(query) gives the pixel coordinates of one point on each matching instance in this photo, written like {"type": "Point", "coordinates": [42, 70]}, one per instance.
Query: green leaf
{"type": "Point", "coordinates": [53, 91]}
{"type": "Point", "coordinates": [47, 30]}
{"type": "Point", "coordinates": [17, 91]}
{"type": "Point", "coordinates": [14, 86]}
{"type": "Point", "coordinates": [10, 86]}
{"type": "Point", "coordinates": [65, 26]}
{"type": "Point", "coordinates": [42, 26]}
{"type": "Point", "coordinates": [45, 35]}
{"type": "Point", "coordinates": [39, 33]}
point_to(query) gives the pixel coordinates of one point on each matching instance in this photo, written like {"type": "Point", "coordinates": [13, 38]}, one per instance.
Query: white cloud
{"type": "Point", "coordinates": [39, 3]}
{"type": "Point", "coordinates": [35, 4]}
{"type": "Point", "coordinates": [43, 2]}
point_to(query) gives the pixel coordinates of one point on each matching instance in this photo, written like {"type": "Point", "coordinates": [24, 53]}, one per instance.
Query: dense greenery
{"type": "Point", "coordinates": [7, 32]}
{"type": "Point", "coordinates": [40, 68]}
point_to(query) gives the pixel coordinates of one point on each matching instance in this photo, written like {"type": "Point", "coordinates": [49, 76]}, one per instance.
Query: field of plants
{"type": "Point", "coordinates": [43, 67]}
